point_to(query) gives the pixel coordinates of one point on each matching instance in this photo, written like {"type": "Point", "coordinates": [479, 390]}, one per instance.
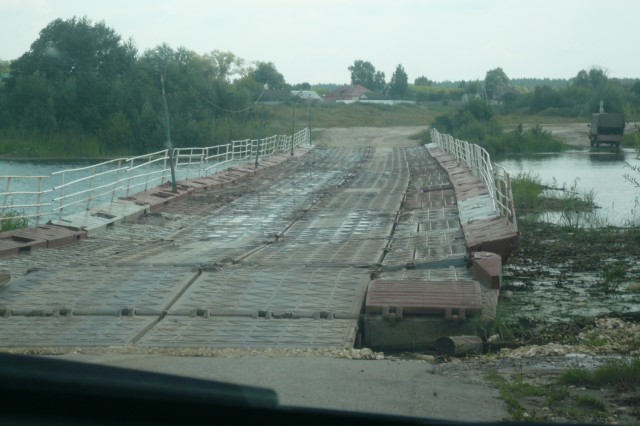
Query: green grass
{"type": "Point", "coordinates": [12, 219]}
{"type": "Point", "coordinates": [476, 122]}
{"type": "Point", "coordinates": [508, 120]}
{"type": "Point", "coordinates": [531, 196]}
{"type": "Point", "coordinates": [504, 324]}
{"type": "Point", "coordinates": [621, 374]}
{"type": "Point", "coordinates": [632, 140]}
{"type": "Point", "coordinates": [512, 392]}
{"type": "Point", "coordinates": [423, 136]}
{"type": "Point", "coordinates": [278, 118]}
{"type": "Point", "coordinates": [524, 399]}
{"type": "Point", "coordinates": [527, 188]}
{"type": "Point", "coordinates": [591, 402]}
{"type": "Point", "coordinates": [18, 144]}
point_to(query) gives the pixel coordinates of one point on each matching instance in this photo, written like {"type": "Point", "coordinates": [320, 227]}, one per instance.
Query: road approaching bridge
{"type": "Point", "coordinates": [351, 242]}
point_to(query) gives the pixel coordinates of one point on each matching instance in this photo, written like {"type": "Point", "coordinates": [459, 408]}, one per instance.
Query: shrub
{"type": "Point", "coordinates": [12, 219]}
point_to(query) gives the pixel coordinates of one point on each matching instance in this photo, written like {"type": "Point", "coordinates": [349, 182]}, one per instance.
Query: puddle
{"type": "Point", "coordinates": [555, 294]}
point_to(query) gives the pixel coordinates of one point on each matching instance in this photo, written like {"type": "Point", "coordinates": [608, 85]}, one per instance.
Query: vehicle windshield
{"type": "Point", "coordinates": [416, 208]}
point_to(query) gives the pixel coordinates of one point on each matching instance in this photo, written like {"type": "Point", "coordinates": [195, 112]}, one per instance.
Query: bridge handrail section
{"type": "Point", "coordinates": [495, 177]}
{"type": "Point", "coordinates": [35, 198]}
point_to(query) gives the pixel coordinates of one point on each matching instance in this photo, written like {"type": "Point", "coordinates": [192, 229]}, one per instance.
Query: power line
{"type": "Point", "coordinates": [266, 87]}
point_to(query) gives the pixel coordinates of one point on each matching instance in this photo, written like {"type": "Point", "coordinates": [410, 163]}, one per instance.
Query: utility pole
{"type": "Point", "coordinates": [266, 87]}
{"type": "Point", "coordinates": [168, 135]}
{"type": "Point", "coordinates": [309, 119]}
{"type": "Point", "coordinates": [259, 135]}
{"type": "Point", "coordinates": [293, 124]}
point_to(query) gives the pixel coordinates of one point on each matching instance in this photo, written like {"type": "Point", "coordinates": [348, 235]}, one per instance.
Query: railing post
{"type": "Point", "coordinates": [129, 167]}
{"type": "Point", "coordinates": [204, 159]}
{"type": "Point", "coordinates": [479, 163]}
{"type": "Point", "coordinates": [38, 199]}
{"type": "Point", "coordinates": [115, 185]}
{"type": "Point", "coordinates": [6, 191]}
{"type": "Point", "coordinates": [61, 195]}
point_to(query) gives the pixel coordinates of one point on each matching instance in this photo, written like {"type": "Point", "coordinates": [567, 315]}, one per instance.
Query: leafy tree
{"type": "Point", "coordinates": [495, 83]}
{"type": "Point", "coordinates": [475, 110]}
{"type": "Point", "coordinates": [581, 79]}
{"type": "Point", "coordinates": [226, 65]}
{"type": "Point", "coordinates": [422, 81]}
{"type": "Point", "coordinates": [76, 63]}
{"type": "Point", "coordinates": [266, 73]}
{"type": "Point", "coordinates": [598, 77]}
{"type": "Point", "coordinates": [545, 97]}
{"type": "Point", "coordinates": [399, 84]}
{"type": "Point", "coordinates": [474, 122]}
{"type": "Point", "coordinates": [81, 81]}
{"type": "Point", "coordinates": [611, 93]}
{"type": "Point", "coordinates": [4, 71]}
{"type": "Point", "coordinates": [76, 48]}
{"type": "Point", "coordinates": [599, 87]}
{"type": "Point", "coordinates": [472, 87]}
{"type": "Point", "coordinates": [365, 74]}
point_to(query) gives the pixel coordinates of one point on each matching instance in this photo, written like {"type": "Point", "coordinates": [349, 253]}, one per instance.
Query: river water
{"type": "Point", "coordinates": [553, 291]}
{"type": "Point", "coordinates": [103, 183]}
{"type": "Point", "coordinates": [598, 171]}
{"type": "Point", "coordinates": [601, 172]}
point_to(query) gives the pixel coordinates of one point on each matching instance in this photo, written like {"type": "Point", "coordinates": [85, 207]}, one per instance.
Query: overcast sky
{"type": "Point", "coordinates": [316, 41]}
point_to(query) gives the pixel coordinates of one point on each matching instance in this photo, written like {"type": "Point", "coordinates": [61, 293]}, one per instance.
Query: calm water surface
{"type": "Point", "coordinates": [600, 172]}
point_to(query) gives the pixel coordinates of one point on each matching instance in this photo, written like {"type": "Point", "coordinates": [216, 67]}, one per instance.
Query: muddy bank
{"type": "Point", "coordinates": [559, 274]}
{"type": "Point", "coordinates": [572, 304]}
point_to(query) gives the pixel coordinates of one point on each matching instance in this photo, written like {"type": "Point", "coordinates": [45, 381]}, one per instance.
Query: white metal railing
{"type": "Point", "coordinates": [22, 203]}
{"type": "Point", "coordinates": [36, 198]}
{"type": "Point", "coordinates": [495, 177]}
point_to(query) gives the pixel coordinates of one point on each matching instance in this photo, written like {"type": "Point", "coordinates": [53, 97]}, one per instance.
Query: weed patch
{"type": "Point", "coordinates": [621, 374]}
{"type": "Point", "coordinates": [12, 219]}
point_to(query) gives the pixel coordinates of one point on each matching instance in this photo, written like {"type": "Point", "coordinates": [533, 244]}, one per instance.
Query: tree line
{"type": "Point", "coordinates": [577, 97]}
{"type": "Point", "coordinates": [82, 82]}
{"type": "Point", "coordinates": [82, 90]}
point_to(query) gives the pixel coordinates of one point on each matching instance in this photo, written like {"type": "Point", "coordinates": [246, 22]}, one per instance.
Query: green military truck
{"type": "Point", "coordinates": [606, 128]}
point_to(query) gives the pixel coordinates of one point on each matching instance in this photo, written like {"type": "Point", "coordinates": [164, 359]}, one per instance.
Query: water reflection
{"type": "Point", "coordinates": [601, 172]}
{"type": "Point", "coordinates": [607, 155]}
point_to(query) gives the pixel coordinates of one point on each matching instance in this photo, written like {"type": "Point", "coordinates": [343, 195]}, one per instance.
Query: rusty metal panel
{"type": "Point", "coordinates": [55, 236]}
{"type": "Point", "coordinates": [497, 235]}
{"type": "Point", "coordinates": [12, 244]}
{"type": "Point", "coordinates": [416, 297]}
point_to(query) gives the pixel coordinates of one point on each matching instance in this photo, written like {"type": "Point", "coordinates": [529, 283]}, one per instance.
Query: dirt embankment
{"type": "Point", "coordinates": [375, 137]}
{"type": "Point", "coordinates": [577, 134]}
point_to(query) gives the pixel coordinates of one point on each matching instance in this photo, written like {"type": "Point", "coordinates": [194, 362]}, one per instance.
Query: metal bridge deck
{"type": "Point", "coordinates": [270, 261]}
{"type": "Point", "coordinates": [277, 260]}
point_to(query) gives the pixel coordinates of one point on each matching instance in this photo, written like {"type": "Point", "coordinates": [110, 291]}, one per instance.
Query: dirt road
{"type": "Point", "coordinates": [375, 137]}
{"type": "Point", "coordinates": [577, 134]}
